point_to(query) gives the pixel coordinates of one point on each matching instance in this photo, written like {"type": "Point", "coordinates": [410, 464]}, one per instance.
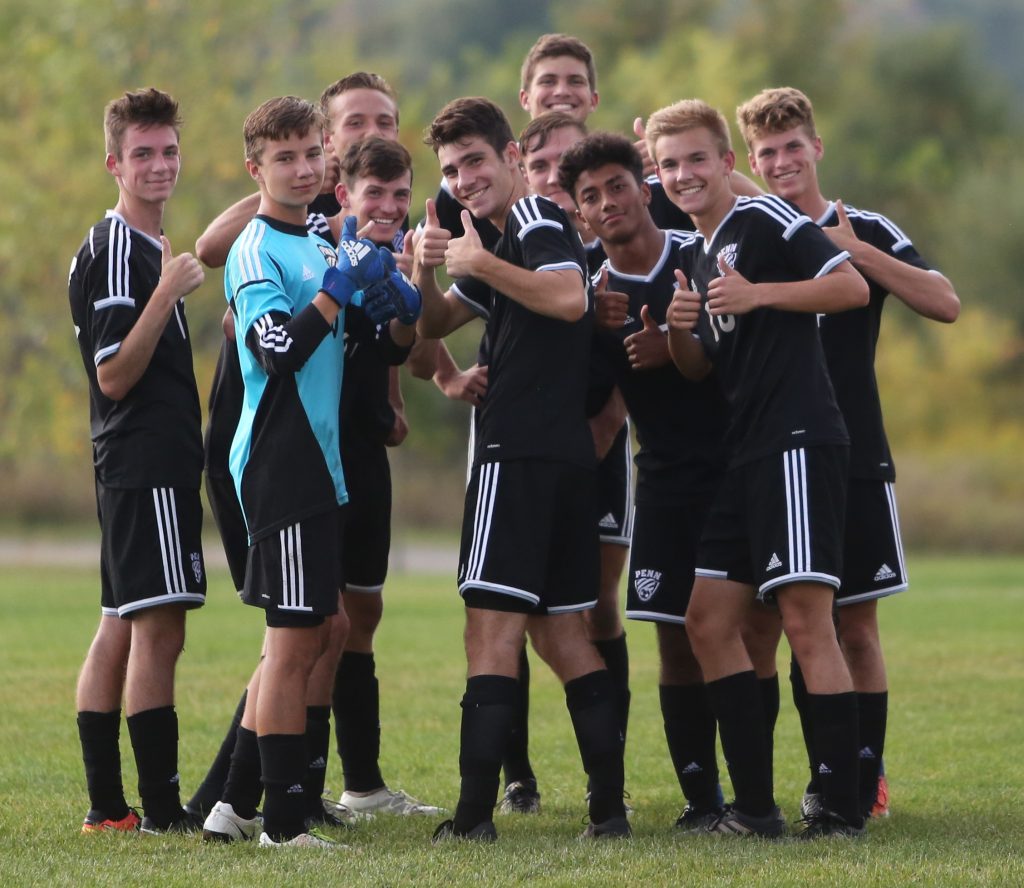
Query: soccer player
{"type": "Point", "coordinates": [750, 284]}
{"type": "Point", "coordinates": [784, 149]}
{"type": "Point", "coordinates": [529, 550]}
{"type": "Point", "coordinates": [680, 426]}
{"type": "Point", "coordinates": [287, 291]}
{"type": "Point", "coordinates": [127, 290]}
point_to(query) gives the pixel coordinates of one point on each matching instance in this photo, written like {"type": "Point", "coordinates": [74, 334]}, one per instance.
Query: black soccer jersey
{"type": "Point", "coordinates": [538, 366]}
{"type": "Point", "coordinates": [680, 424]}
{"type": "Point", "coordinates": [151, 437]}
{"type": "Point", "coordinates": [770, 363]}
{"type": "Point", "coordinates": [849, 339]}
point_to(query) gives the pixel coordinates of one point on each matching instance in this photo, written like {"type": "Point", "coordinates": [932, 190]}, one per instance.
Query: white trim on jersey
{"type": "Point", "coordinates": [272, 337]}
{"type": "Point", "coordinates": [486, 494]}
{"type": "Point", "coordinates": [119, 248]}
{"type": "Point", "coordinates": [832, 264]}
{"type": "Point", "coordinates": [293, 586]}
{"type": "Point", "coordinates": [528, 215]}
{"type": "Point", "coordinates": [165, 507]}
{"type": "Point", "coordinates": [317, 224]}
{"type": "Point", "coordinates": [900, 240]}
{"type": "Point", "coordinates": [563, 266]}
{"type": "Point", "coordinates": [105, 353]}
{"type": "Point", "coordinates": [249, 260]}
{"type": "Point", "coordinates": [785, 214]}
{"type": "Point", "coordinates": [111, 301]}
{"type": "Point", "coordinates": [465, 300]}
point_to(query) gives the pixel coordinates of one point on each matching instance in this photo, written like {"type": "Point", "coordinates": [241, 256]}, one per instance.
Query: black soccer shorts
{"type": "Point", "coordinates": [366, 533]}
{"type": "Point", "coordinates": [615, 491]}
{"type": "Point", "coordinates": [873, 565]}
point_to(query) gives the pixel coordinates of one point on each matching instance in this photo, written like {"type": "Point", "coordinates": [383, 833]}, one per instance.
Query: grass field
{"type": "Point", "coordinates": [955, 755]}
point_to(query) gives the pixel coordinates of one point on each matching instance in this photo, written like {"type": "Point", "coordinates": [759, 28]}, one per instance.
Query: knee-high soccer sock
{"type": "Point", "coordinates": [211, 790]}
{"type": "Point", "coordinates": [488, 709]}
{"type": "Point", "coordinates": [616, 657]}
{"type": "Point", "coordinates": [739, 708]}
{"type": "Point", "coordinates": [516, 761]}
{"type": "Point", "coordinates": [318, 748]}
{"type": "Point", "coordinates": [837, 752]}
{"type": "Point", "coordinates": [243, 787]}
{"type": "Point", "coordinates": [154, 735]}
{"type": "Point", "coordinates": [770, 699]}
{"type": "Point", "coordinates": [690, 732]}
{"type": "Point", "coordinates": [284, 767]}
{"type": "Point", "coordinates": [796, 679]}
{"type": "Point", "coordinates": [872, 710]}
{"type": "Point", "coordinates": [356, 704]}
{"type": "Point", "coordinates": [101, 755]}
{"type": "Point", "coordinates": [592, 704]}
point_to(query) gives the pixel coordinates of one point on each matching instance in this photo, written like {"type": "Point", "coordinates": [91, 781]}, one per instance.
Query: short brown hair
{"type": "Point", "coordinates": [356, 80]}
{"type": "Point", "coordinates": [550, 46]}
{"type": "Point", "coordinates": [687, 115]}
{"type": "Point", "coordinates": [144, 107]}
{"type": "Point", "coordinates": [465, 118]}
{"type": "Point", "coordinates": [278, 119]}
{"type": "Point", "coordinates": [374, 156]}
{"type": "Point", "coordinates": [537, 132]}
{"type": "Point", "coordinates": [598, 150]}
{"type": "Point", "coordinates": [775, 111]}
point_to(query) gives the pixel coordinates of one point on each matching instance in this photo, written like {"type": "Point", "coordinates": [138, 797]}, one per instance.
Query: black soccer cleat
{"type": "Point", "coordinates": [733, 822]}
{"type": "Point", "coordinates": [521, 797]}
{"type": "Point", "coordinates": [188, 822]}
{"type": "Point", "coordinates": [612, 828]}
{"type": "Point", "coordinates": [826, 825]}
{"type": "Point", "coordinates": [482, 832]}
{"type": "Point", "coordinates": [694, 820]}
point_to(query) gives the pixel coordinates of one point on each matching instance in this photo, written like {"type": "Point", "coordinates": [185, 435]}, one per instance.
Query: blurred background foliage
{"type": "Point", "coordinates": [918, 102]}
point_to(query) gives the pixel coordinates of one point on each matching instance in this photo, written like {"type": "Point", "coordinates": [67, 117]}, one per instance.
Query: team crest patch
{"type": "Point", "coordinates": [647, 583]}
{"type": "Point", "coordinates": [728, 255]}
{"type": "Point", "coordinates": [197, 566]}
{"type": "Point", "coordinates": [329, 255]}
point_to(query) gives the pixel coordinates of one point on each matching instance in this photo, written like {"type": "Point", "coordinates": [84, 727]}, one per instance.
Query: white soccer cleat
{"type": "Point", "coordinates": [311, 839]}
{"type": "Point", "coordinates": [222, 824]}
{"type": "Point", "coordinates": [386, 801]}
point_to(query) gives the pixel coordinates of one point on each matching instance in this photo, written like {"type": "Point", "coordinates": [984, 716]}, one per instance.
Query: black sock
{"type": "Point", "coordinates": [616, 657]}
{"type": "Point", "coordinates": [516, 761]}
{"type": "Point", "coordinates": [488, 708]}
{"type": "Point", "coordinates": [211, 790]}
{"type": "Point", "coordinates": [318, 747]}
{"type": "Point", "coordinates": [770, 700]}
{"type": "Point", "coordinates": [796, 679]}
{"type": "Point", "coordinates": [836, 748]}
{"type": "Point", "coordinates": [154, 735]}
{"type": "Point", "coordinates": [356, 703]}
{"type": "Point", "coordinates": [690, 731]}
{"type": "Point", "coordinates": [243, 787]}
{"type": "Point", "coordinates": [739, 708]}
{"type": "Point", "coordinates": [284, 767]}
{"type": "Point", "coordinates": [101, 755]}
{"type": "Point", "coordinates": [591, 701]}
{"type": "Point", "coordinates": [872, 710]}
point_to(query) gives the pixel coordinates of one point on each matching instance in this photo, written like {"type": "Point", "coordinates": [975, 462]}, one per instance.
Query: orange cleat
{"type": "Point", "coordinates": [96, 821]}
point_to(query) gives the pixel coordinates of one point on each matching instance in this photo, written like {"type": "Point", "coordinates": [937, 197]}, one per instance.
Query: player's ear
{"type": "Point", "coordinates": [819, 148]}
{"type": "Point", "coordinates": [341, 193]}
{"type": "Point", "coordinates": [111, 164]}
{"type": "Point", "coordinates": [729, 159]}
{"type": "Point", "coordinates": [511, 154]}
{"type": "Point", "coordinates": [645, 192]}
{"type": "Point", "coordinates": [524, 100]}
{"type": "Point", "coordinates": [254, 170]}
{"type": "Point", "coordinates": [580, 220]}
{"type": "Point", "coordinates": [594, 99]}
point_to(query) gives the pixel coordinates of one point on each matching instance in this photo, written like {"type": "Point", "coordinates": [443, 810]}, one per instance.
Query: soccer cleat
{"type": "Point", "coordinates": [810, 804]}
{"type": "Point", "coordinates": [521, 797]}
{"type": "Point", "coordinates": [612, 828]}
{"type": "Point", "coordinates": [827, 824]}
{"type": "Point", "coordinates": [881, 806]}
{"type": "Point", "coordinates": [694, 820]}
{"type": "Point", "coordinates": [311, 839]}
{"type": "Point", "coordinates": [96, 821]}
{"type": "Point", "coordinates": [188, 822]}
{"type": "Point", "coordinates": [386, 801]}
{"type": "Point", "coordinates": [332, 814]}
{"type": "Point", "coordinates": [732, 822]}
{"type": "Point", "coordinates": [222, 824]}
{"type": "Point", "coordinates": [482, 832]}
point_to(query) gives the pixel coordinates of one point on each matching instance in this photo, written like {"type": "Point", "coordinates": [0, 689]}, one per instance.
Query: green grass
{"type": "Point", "coordinates": [954, 648]}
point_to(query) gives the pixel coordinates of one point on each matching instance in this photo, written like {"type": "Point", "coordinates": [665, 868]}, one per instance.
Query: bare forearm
{"type": "Point", "coordinates": [557, 294]}
{"type": "Point", "coordinates": [927, 292]}
{"type": "Point", "coordinates": [118, 375]}
{"type": "Point", "coordinates": [215, 242]}
{"type": "Point", "coordinates": [840, 290]}
{"type": "Point", "coordinates": [688, 354]}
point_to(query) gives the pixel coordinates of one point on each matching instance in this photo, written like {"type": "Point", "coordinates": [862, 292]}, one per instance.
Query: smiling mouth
{"type": "Point", "coordinates": [690, 190]}
{"type": "Point", "coordinates": [385, 222]}
{"type": "Point", "coordinates": [561, 106]}
{"type": "Point", "coordinates": [469, 197]}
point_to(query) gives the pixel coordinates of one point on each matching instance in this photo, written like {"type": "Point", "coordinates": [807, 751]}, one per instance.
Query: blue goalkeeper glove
{"type": "Point", "coordinates": [393, 297]}
{"type": "Point", "coordinates": [359, 266]}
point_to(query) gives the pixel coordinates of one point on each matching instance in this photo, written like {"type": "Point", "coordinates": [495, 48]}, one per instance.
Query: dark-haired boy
{"type": "Point", "coordinates": [287, 290]}
{"type": "Point", "coordinates": [751, 282]}
{"type": "Point", "coordinates": [529, 550]}
{"type": "Point", "coordinates": [784, 149]}
{"type": "Point", "coordinates": [127, 292]}
{"type": "Point", "coordinates": [679, 425]}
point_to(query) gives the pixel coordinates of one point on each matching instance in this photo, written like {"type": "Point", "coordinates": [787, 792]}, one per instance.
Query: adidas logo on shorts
{"type": "Point", "coordinates": [885, 573]}
{"type": "Point", "coordinates": [608, 522]}
{"type": "Point", "coordinates": [775, 563]}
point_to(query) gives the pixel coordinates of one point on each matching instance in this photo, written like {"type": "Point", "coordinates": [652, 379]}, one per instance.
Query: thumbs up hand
{"type": "Point", "coordinates": [431, 240]}
{"type": "Point", "coordinates": [648, 347]}
{"type": "Point", "coordinates": [684, 309]}
{"type": "Point", "coordinates": [731, 293]}
{"type": "Point", "coordinates": [179, 275]}
{"type": "Point", "coordinates": [464, 251]}
{"type": "Point", "coordinates": [404, 259]}
{"type": "Point", "coordinates": [611, 308]}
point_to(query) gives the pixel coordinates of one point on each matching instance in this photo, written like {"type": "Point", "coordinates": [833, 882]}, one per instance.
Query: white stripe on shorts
{"type": "Point", "coordinates": [170, 539]}
{"type": "Point", "coordinates": [293, 589]}
{"type": "Point", "coordinates": [486, 493]}
{"type": "Point", "coordinates": [799, 531]}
